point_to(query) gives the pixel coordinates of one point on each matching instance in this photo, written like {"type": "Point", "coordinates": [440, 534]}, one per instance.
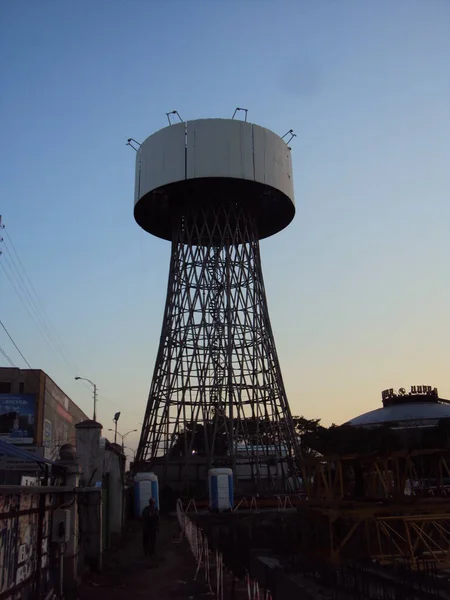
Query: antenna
{"type": "Point", "coordinates": [173, 112]}
{"type": "Point", "coordinates": [238, 109]}
{"type": "Point", "coordinates": [291, 133]}
{"type": "Point", "coordinates": [130, 142]}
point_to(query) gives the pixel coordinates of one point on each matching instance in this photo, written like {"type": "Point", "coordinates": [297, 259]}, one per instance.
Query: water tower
{"type": "Point", "coordinates": [213, 188]}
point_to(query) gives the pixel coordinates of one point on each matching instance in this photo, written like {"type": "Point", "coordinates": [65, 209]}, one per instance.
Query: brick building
{"type": "Point", "coordinates": [35, 414]}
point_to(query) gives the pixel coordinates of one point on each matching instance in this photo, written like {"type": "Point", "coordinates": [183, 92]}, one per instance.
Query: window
{"type": "Point", "coordinates": [21, 387]}
{"type": "Point", "coordinates": [5, 387]}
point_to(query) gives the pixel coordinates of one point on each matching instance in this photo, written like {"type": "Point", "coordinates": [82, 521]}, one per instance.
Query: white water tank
{"type": "Point", "coordinates": [221, 490]}
{"type": "Point", "coordinates": [145, 487]}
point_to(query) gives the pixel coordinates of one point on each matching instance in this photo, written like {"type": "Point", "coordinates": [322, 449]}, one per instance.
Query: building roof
{"type": "Point", "coordinates": [8, 371]}
{"type": "Point", "coordinates": [88, 424]}
{"type": "Point", "coordinates": [414, 411]}
{"type": "Point", "coordinates": [7, 449]}
{"type": "Point", "coordinates": [421, 407]}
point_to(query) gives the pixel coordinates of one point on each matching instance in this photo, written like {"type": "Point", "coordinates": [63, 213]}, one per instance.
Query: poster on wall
{"type": "Point", "coordinates": [48, 438]}
{"type": "Point", "coordinates": [17, 418]}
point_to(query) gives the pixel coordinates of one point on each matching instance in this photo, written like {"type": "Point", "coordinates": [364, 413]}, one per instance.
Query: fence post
{"type": "Point", "coordinates": [40, 531]}
{"type": "Point", "coordinates": [71, 566]}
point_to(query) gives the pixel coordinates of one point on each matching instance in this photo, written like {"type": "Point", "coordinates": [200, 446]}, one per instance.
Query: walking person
{"type": "Point", "coordinates": [150, 527]}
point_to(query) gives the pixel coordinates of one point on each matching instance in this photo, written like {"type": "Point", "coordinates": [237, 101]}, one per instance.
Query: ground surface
{"type": "Point", "coordinates": [128, 575]}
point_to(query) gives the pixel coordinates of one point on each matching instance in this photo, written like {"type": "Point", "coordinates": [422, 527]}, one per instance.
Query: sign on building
{"type": "Point", "coordinates": [17, 418]}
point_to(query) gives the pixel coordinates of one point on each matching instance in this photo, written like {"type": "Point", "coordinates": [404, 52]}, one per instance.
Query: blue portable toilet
{"type": "Point", "coordinates": [221, 489]}
{"type": "Point", "coordinates": [145, 487]}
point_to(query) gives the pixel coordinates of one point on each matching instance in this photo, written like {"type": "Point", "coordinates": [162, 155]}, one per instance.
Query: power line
{"type": "Point", "coordinates": [20, 296]}
{"type": "Point", "coordinates": [31, 304]}
{"type": "Point", "coordinates": [36, 301]}
{"type": "Point", "coordinates": [7, 357]}
{"type": "Point", "coordinates": [28, 364]}
{"type": "Point", "coordinates": [23, 292]}
{"type": "Point", "coordinates": [33, 371]}
{"type": "Point", "coordinates": [29, 298]}
{"type": "Point", "coordinates": [15, 345]}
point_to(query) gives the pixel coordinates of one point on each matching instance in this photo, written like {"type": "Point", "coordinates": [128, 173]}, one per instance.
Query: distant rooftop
{"type": "Point", "coordinates": [421, 407]}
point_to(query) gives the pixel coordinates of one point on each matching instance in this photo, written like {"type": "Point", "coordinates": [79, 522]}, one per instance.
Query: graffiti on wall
{"type": "Point", "coordinates": [18, 536]}
{"type": "Point", "coordinates": [20, 522]}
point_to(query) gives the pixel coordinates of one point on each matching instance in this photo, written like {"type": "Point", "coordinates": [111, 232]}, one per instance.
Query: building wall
{"type": "Point", "coordinates": [46, 414]}
{"type": "Point", "coordinates": [20, 397]}
{"type": "Point", "coordinates": [60, 416]}
{"type": "Point", "coordinates": [103, 464]}
{"type": "Point", "coordinates": [114, 466]}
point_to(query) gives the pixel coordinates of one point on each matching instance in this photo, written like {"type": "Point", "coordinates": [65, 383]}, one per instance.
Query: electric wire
{"type": "Point", "coordinates": [19, 295]}
{"type": "Point", "coordinates": [12, 264]}
{"type": "Point", "coordinates": [23, 357]}
{"type": "Point", "coordinates": [15, 345]}
{"type": "Point", "coordinates": [29, 298]}
{"type": "Point", "coordinates": [37, 303]}
{"type": "Point", "coordinates": [7, 357]}
{"type": "Point", "coordinates": [33, 371]}
{"type": "Point", "coordinates": [37, 313]}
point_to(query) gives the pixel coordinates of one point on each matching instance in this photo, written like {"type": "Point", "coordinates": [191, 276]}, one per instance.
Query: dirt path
{"type": "Point", "coordinates": [127, 574]}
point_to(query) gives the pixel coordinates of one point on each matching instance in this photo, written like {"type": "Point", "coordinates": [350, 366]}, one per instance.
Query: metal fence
{"type": "Point", "coordinates": [370, 580]}
{"type": "Point", "coordinates": [360, 580]}
{"type": "Point", "coordinates": [29, 562]}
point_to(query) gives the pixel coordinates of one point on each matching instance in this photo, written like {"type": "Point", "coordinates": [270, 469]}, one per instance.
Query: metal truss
{"type": "Point", "coordinates": [217, 395]}
{"type": "Point", "coordinates": [415, 533]}
{"type": "Point", "coordinates": [392, 508]}
{"type": "Point", "coordinates": [420, 473]}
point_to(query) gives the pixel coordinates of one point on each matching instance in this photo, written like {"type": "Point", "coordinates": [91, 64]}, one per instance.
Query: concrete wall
{"type": "Point", "coordinates": [103, 465]}
{"type": "Point", "coordinates": [114, 466]}
{"type": "Point", "coordinates": [90, 454]}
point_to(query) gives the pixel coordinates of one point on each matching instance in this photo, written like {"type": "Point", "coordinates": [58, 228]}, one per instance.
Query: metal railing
{"type": "Point", "coordinates": [29, 562]}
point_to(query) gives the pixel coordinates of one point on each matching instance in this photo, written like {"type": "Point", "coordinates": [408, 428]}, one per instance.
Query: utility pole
{"type": "Point", "coordinates": [95, 394]}
{"type": "Point", "coordinates": [95, 402]}
{"type": "Point", "coordinates": [1, 227]}
{"type": "Point", "coordinates": [116, 418]}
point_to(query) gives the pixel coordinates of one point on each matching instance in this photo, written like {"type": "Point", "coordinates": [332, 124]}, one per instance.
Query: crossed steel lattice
{"type": "Point", "coordinates": [217, 390]}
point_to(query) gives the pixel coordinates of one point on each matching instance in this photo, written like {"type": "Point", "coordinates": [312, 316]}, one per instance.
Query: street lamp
{"type": "Point", "coordinates": [131, 450]}
{"type": "Point", "coordinates": [125, 434]}
{"type": "Point", "coordinates": [95, 393]}
{"type": "Point", "coordinates": [116, 433]}
{"type": "Point", "coordinates": [116, 418]}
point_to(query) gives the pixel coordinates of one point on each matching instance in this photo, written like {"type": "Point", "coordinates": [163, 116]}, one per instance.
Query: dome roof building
{"type": "Point", "coordinates": [421, 407]}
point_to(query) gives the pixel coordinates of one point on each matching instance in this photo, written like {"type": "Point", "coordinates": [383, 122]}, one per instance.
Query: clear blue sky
{"type": "Point", "coordinates": [358, 285]}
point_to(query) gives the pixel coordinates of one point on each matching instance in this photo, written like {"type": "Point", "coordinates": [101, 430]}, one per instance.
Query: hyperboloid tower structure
{"type": "Point", "coordinates": [214, 188]}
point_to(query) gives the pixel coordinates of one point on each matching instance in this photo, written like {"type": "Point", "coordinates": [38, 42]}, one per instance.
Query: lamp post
{"type": "Point", "coordinates": [95, 394]}
{"type": "Point", "coordinates": [116, 418]}
{"type": "Point", "coordinates": [131, 450]}
{"type": "Point", "coordinates": [116, 433]}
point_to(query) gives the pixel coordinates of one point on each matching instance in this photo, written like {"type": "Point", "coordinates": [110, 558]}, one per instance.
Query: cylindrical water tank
{"type": "Point", "coordinates": [221, 490]}
{"type": "Point", "coordinates": [145, 487]}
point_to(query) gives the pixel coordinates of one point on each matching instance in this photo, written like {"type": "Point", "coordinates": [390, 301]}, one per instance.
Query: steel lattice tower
{"type": "Point", "coordinates": [214, 188]}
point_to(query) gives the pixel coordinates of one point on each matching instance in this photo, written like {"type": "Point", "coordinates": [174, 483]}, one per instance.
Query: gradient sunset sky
{"type": "Point", "coordinates": [358, 285]}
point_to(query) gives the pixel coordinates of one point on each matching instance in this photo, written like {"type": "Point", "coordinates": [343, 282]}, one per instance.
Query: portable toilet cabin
{"type": "Point", "coordinates": [221, 491]}
{"type": "Point", "coordinates": [145, 487]}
